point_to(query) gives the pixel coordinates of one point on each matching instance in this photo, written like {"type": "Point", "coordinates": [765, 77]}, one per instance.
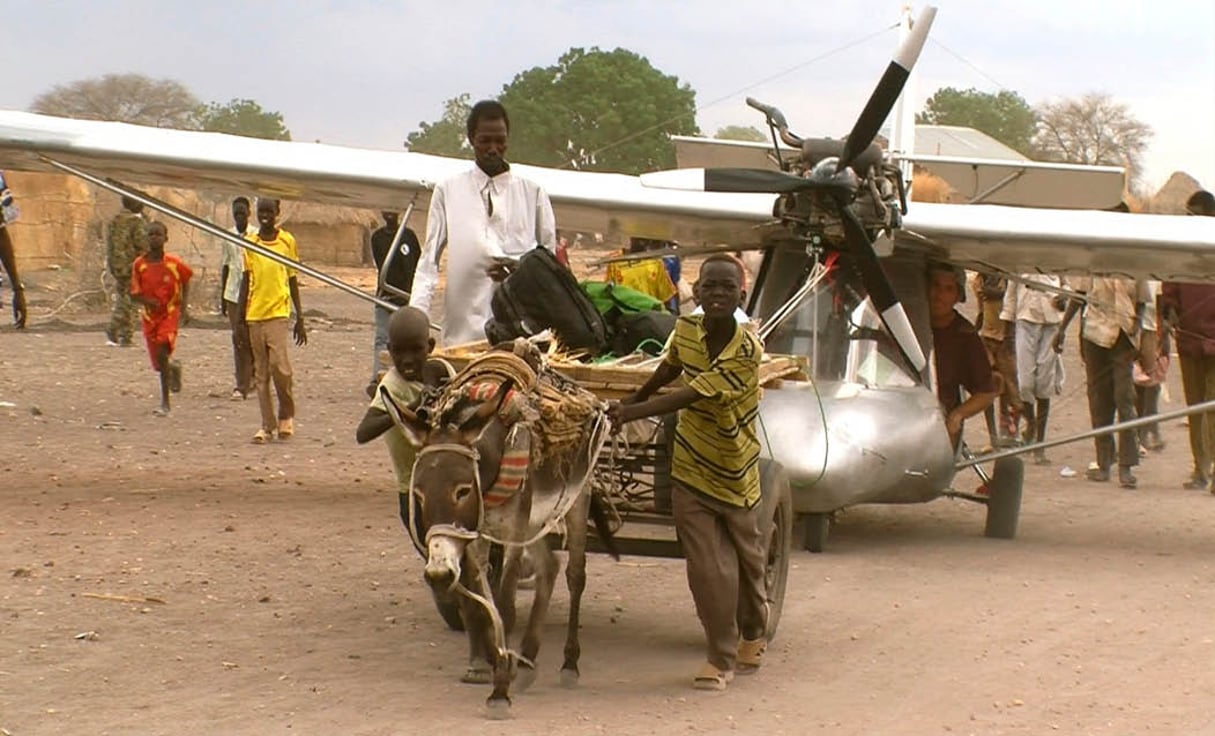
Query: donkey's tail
{"type": "Point", "coordinates": [602, 528]}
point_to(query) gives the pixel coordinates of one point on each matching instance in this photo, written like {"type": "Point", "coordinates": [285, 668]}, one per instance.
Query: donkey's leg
{"type": "Point", "coordinates": [575, 580]}
{"type": "Point", "coordinates": [497, 706]}
{"type": "Point", "coordinates": [478, 624]}
{"type": "Point", "coordinates": [546, 576]}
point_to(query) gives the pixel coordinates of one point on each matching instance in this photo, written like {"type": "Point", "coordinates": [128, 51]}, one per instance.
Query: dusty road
{"type": "Point", "coordinates": [282, 596]}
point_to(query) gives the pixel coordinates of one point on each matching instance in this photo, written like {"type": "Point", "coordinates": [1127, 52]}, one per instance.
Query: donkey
{"type": "Point", "coordinates": [463, 455]}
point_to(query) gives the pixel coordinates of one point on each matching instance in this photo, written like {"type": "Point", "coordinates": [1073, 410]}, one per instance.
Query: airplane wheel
{"type": "Point", "coordinates": [778, 499]}
{"type": "Point", "coordinates": [815, 528]}
{"type": "Point", "coordinates": [1004, 498]}
{"type": "Point", "coordinates": [449, 608]}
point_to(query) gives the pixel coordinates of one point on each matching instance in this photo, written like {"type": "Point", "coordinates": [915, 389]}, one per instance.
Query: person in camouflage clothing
{"type": "Point", "coordinates": [126, 240]}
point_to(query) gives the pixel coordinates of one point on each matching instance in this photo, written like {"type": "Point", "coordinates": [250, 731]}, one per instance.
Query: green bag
{"type": "Point", "coordinates": [607, 297]}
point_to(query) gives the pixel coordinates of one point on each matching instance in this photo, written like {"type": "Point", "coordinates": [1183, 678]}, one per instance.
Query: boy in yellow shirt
{"type": "Point", "coordinates": [268, 292]}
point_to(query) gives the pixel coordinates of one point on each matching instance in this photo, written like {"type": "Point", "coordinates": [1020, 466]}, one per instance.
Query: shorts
{"type": "Point", "coordinates": [159, 331]}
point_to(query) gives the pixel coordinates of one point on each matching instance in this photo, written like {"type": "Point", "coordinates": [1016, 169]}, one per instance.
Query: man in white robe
{"type": "Point", "coordinates": [484, 218]}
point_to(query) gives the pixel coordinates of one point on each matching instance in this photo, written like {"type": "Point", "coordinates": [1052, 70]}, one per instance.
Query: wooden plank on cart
{"type": "Point", "coordinates": [619, 378]}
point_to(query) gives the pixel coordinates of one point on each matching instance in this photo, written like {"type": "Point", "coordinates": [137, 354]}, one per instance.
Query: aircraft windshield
{"type": "Point", "coordinates": [830, 324]}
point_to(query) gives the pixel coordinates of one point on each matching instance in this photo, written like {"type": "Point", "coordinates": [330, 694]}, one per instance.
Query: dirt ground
{"type": "Point", "coordinates": [275, 591]}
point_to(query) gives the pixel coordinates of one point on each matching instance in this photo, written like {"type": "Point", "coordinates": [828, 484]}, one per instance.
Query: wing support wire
{"type": "Point", "coordinates": [1108, 429]}
{"type": "Point", "coordinates": [996, 187]}
{"type": "Point", "coordinates": [211, 229]}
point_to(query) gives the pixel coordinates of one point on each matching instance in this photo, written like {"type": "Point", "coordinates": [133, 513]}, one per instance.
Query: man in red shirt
{"type": "Point", "coordinates": [1190, 308]}
{"type": "Point", "coordinates": [959, 356]}
{"type": "Point", "coordinates": [160, 282]}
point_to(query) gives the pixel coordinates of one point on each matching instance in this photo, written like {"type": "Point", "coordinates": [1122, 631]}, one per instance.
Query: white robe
{"type": "Point", "coordinates": [459, 222]}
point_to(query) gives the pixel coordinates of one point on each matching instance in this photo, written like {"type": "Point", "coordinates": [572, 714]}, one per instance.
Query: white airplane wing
{"type": "Point", "coordinates": [1023, 240]}
{"type": "Point", "coordinates": [612, 204]}
{"type": "Point", "coordinates": [1012, 239]}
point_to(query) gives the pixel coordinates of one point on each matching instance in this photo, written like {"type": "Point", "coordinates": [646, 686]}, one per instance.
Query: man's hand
{"type": "Point", "coordinates": [19, 312]}
{"type": "Point", "coordinates": [500, 267]}
{"type": "Point", "coordinates": [1056, 342]}
{"type": "Point", "coordinates": [1060, 302]}
{"type": "Point", "coordinates": [301, 334]}
{"type": "Point", "coordinates": [223, 306]}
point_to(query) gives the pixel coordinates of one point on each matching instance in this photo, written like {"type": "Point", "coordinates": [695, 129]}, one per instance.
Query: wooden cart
{"type": "Point", "coordinates": [634, 470]}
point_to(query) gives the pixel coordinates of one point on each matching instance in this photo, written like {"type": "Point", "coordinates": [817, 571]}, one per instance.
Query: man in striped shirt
{"type": "Point", "coordinates": [715, 468]}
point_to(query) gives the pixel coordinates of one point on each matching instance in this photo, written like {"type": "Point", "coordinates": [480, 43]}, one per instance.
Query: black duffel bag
{"type": "Point", "coordinates": [542, 294]}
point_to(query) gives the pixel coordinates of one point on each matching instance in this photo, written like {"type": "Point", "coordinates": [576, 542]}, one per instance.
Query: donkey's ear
{"type": "Point", "coordinates": [413, 425]}
{"type": "Point", "coordinates": [487, 410]}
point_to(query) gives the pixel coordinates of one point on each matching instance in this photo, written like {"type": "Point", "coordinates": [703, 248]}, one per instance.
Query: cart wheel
{"type": "Point", "coordinates": [778, 519]}
{"type": "Point", "coordinates": [1004, 498]}
{"type": "Point", "coordinates": [449, 608]}
{"type": "Point", "coordinates": [815, 528]}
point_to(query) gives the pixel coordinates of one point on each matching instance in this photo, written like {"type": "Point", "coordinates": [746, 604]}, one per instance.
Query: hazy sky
{"type": "Point", "coordinates": [365, 73]}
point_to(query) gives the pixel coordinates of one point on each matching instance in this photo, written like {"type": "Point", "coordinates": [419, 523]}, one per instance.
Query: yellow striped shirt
{"type": "Point", "coordinates": [716, 446]}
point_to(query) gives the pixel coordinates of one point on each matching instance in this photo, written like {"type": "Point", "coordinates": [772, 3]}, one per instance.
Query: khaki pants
{"type": "Point", "coordinates": [725, 555]}
{"type": "Point", "coordinates": [1198, 383]}
{"type": "Point", "coordinates": [268, 340]}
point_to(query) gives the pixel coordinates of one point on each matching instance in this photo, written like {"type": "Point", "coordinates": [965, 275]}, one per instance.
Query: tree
{"type": "Point", "coordinates": [449, 135]}
{"type": "Point", "coordinates": [1092, 129]}
{"type": "Point", "coordinates": [599, 111]}
{"type": "Point", "coordinates": [128, 98]}
{"type": "Point", "coordinates": [1005, 116]}
{"type": "Point", "coordinates": [741, 133]}
{"type": "Point", "coordinates": [242, 117]}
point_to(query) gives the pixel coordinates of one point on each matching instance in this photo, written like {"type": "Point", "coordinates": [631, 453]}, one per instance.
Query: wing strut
{"type": "Point", "coordinates": [211, 229]}
{"type": "Point", "coordinates": [1108, 429]}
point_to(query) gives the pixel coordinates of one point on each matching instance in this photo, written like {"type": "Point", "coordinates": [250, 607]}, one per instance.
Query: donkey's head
{"type": "Point", "coordinates": [458, 455]}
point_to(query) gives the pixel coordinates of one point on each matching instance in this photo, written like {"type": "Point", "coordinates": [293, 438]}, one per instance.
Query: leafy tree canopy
{"type": "Point", "coordinates": [741, 133]}
{"type": "Point", "coordinates": [242, 117]}
{"type": "Point", "coordinates": [447, 136]}
{"type": "Point", "coordinates": [599, 111]}
{"type": "Point", "coordinates": [1005, 116]}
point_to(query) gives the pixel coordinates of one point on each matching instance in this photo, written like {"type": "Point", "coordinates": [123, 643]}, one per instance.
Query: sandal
{"type": "Point", "coordinates": [711, 678]}
{"type": "Point", "coordinates": [262, 437]}
{"type": "Point", "coordinates": [750, 655]}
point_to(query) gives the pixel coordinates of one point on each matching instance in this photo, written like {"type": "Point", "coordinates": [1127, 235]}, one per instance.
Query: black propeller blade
{"type": "Point", "coordinates": [888, 306]}
{"type": "Point", "coordinates": [888, 89]}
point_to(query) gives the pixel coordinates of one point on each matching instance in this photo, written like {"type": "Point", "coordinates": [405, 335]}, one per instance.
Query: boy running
{"type": "Point", "coordinates": [161, 283]}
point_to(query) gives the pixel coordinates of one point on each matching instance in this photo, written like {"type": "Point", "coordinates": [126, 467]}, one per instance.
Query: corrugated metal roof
{"type": "Point", "coordinates": [953, 140]}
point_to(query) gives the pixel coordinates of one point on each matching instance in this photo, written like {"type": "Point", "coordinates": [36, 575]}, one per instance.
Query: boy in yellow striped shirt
{"type": "Point", "coordinates": [715, 468]}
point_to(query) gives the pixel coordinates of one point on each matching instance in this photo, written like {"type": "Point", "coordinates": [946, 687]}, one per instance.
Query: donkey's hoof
{"type": "Point", "coordinates": [497, 709]}
{"type": "Point", "coordinates": [525, 677]}
{"type": "Point", "coordinates": [476, 676]}
{"type": "Point", "coordinates": [569, 678]}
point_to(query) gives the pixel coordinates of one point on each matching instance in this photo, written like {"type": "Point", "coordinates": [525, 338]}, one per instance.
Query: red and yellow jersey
{"type": "Point", "coordinates": [161, 281]}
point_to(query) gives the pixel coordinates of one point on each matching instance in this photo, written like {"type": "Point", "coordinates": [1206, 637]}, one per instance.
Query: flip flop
{"type": "Point", "coordinates": [711, 678]}
{"type": "Point", "coordinates": [750, 655]}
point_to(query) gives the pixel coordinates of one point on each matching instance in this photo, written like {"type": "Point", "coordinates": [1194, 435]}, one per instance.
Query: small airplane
{"type": "Point", "coordinates": [841, 281]}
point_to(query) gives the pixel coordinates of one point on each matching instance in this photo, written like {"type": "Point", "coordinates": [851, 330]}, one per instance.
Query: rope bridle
{"type": "Point", "coordinates": [455, 531]}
